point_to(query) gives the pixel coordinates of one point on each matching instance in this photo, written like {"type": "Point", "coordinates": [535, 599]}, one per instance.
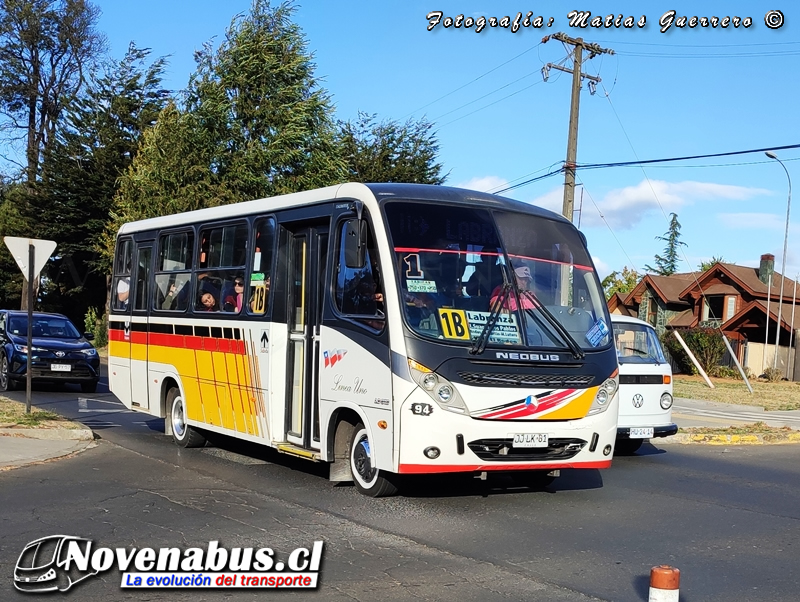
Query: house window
{"type": "Point", "coordinates": [652, 311]}
{"type": "Point", "coordinates": [730, 308]}
{"type": "Point", "coordinates": [714, 307]}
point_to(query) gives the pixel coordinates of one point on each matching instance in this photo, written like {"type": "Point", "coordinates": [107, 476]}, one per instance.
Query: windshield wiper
{"type": "Point", "coordinates": [576, 350]}
{"type": "Point", "coordinates": [479, 345]}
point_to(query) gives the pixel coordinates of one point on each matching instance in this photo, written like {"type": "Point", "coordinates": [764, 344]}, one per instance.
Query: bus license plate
{"type": "Point", "coordinates": [641, 432]}
{"type": "Point", "coordinates": [529, 440]}
{"type": "Point", "coordinates": [60, 367]}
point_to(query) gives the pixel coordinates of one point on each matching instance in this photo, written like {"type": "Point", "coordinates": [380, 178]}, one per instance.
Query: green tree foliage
{"type": "Point", "coordinates": [46, 47]}
{"type": "Point", "coordinates": [620, 282]}
{"type": "Point", "coordinates": [389, 151]}
{"type": "Point", "coordinates": [667, 264]}
{"type": "Point", "coordinates": [707, 265]}
{"type": "Point", "coordinates": [12, 223]}
{"type": "Point", "coordinates": [706, 345]}
{"type": "Point", "coordinates": [255, 123]}
{"type": "Point", "coordinates": [100, 138]}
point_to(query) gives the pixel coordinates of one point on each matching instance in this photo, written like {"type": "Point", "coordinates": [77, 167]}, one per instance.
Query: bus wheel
{"type": "Point", "coordinates": [366, 477]}
{"type": "Point", "coordinates": [628, 447]}
{"type": "Point", "coordinates": [183, 434]}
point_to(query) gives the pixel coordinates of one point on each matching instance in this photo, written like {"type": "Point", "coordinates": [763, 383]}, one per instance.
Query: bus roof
{"type": "Point", "coordinates": [371, 194]}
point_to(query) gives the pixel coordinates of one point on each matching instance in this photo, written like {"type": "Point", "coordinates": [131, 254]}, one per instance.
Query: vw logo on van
{"type": "Point", "coordinates": [638, 401]}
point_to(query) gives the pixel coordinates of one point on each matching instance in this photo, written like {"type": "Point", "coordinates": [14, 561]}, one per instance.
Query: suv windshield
{"type": "Point", "coordinates": [637, 344]}
{"type": "Point", "coordinates": [52, 327]}
{"type": "Point", "coordinates": [453, 262]}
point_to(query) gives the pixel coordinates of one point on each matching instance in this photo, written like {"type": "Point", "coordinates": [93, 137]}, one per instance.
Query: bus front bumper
{"type": "Point", "coordinates": [434, 440]}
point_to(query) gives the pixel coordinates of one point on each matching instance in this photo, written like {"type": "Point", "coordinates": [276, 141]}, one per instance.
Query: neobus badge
{"type": "Point", "coordinates": [531, 357]}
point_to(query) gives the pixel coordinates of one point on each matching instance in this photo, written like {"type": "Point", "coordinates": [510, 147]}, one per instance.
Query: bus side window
{"type": "Point", "coordinates": [261, 272]}
{"type": "Point", "coordinates": [173, 273]}
{"type": "Point", "coordinates": [122, 276]}
{"type": "Point", "coordinates": [359, 291]}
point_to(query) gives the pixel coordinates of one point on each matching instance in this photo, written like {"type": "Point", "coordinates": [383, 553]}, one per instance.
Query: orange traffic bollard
{"type": "Point", "coordinates": [664, 584]}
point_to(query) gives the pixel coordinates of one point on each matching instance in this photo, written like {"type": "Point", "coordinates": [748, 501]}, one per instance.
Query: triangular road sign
{"type": "Point", "coordinates": [19, 250]}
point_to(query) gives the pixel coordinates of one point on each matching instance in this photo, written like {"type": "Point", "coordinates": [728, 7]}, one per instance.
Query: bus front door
{"type": "Point", "coordinates": [139, 325]}
{"type": "Point", "coordinates": [307, 259]}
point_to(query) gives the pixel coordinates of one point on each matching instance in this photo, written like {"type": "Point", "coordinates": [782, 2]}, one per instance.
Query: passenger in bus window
{"type": "Point", "coordinates": [123, 292]}
{"type": "Point", "coordinates": [523, 277]}
{"type": "Point", "coordinates": [207, 302]}
{"type": "Point", "coordinates": [233, 301]}
{"type": "Point", "coordinates": [170, 298]}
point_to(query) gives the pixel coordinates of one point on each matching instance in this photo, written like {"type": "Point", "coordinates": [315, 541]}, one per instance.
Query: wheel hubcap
{"type": "Point", "coordinates": [362, 460]}
{"type": "Point", "coordinates": [178, 422]}
{"type": "Point", "coordinates": [4, 373]}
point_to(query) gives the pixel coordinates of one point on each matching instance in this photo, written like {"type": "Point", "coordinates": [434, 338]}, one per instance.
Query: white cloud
{"type": "Point", "coordinates": [553, 200]}
{"type": "Point", "coordinates": [601, 266]}
{"type": "Point", "coordinates": [484, 184]}
{"type": "Point", "coordinates": [756, 221]}
{"type": "Point", "coordinates": [623, 208]}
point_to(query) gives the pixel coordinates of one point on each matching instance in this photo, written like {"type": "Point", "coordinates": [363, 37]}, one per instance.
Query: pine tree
{"type": "Point", "coordinates": [254, 123]}
{"type": "Point", "coordinates": [667, 264]}
{"type": "Point", "coordinates": [389, 151]}
{"type": "Point", "coordinates": [99, 141]}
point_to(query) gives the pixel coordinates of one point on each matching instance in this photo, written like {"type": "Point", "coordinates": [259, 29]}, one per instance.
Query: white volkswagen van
{"type": "Point", "coordinates": [645, 385]}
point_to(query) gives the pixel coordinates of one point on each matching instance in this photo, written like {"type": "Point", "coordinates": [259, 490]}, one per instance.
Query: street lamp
{"type": "Point", "coordinates": [772, 155]}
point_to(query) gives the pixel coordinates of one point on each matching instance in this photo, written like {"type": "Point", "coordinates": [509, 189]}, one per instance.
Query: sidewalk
{"type": "Point", "coordinates": [23, 446]}
{"type": "Point", "coordinates": [695, 413]}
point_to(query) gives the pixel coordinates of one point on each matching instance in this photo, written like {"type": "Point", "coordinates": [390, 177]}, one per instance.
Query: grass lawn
{"type": "Point", "coordinates": [771, 396]}
{"type": "Point", "coordinates": [12, 414]}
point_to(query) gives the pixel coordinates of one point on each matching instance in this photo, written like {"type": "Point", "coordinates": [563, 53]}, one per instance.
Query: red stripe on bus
{"type": "Point", "coordinates": [440, 468]}
{"type": "Point", "coordinates": [179, 341]}
{"type": "Point", "coordinates": [459, 252]}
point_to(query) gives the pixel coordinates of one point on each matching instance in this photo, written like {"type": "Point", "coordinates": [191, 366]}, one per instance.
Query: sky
{"type": "Point", "coordinates": [663, 94]}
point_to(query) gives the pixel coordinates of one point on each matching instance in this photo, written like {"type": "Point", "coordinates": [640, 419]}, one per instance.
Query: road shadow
{"type": "Point", "coordinates": [412, 486]}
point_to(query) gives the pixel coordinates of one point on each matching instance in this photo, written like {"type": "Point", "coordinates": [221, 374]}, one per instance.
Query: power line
{"type": "Point", "coordinates": [685, 158]}
{"type": "Point", "coordinates": [473, 80]}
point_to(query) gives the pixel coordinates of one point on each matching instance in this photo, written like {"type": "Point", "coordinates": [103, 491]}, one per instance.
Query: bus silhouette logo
{"type": "Point", "coordinates": [42, 566]}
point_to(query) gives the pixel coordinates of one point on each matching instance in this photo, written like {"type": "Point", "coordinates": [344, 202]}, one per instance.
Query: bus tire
{"type": "Point", "coordinates": [183, 434]}
{"type": "Point", "coordinates": [367, 479]}
{"type": "Point", "coordinates": [628, 447]}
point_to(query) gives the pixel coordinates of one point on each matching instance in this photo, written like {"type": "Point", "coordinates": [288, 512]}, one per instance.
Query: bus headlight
{"type": "Point", "coordinates": [605, 393]}
{"type": "Point", "coordinates": [666, 401]}
{"type": "Point", "coordinates": [438, 388]}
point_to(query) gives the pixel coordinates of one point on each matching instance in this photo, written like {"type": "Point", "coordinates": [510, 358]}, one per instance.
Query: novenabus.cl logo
{"type": "Point", "coordinates": [58, 562]}
{"type": "Point", "coordinates": [43, 564]}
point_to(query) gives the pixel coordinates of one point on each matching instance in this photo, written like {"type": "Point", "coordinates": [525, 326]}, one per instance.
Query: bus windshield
{"type": "Point", "coordinates": [457, 263]}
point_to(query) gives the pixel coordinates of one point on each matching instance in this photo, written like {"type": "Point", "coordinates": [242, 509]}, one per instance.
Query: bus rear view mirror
{"type": "Point", "coordinates": [355, 244]}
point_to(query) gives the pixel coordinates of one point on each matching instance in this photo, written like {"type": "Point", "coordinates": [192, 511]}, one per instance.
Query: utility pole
{"type": "Point", "coordinates": [572, 139]}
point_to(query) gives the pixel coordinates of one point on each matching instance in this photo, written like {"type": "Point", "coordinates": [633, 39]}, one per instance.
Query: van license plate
{"type": "Point", "coordinates": [529, 440]}
{"type": "Point", "coordinates": [641, 433]}
{"type": "Point", "coordinates": [61, 367]}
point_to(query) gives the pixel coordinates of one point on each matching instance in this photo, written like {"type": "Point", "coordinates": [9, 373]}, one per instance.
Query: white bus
{"type": "Point", "coordinates": [387, 329]}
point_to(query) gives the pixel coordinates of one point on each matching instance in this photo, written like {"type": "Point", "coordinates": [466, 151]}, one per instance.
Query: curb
{"type": "Point", "coordinates": [82, 434]}
{"type": "Point", "coordinates": [685, 438]}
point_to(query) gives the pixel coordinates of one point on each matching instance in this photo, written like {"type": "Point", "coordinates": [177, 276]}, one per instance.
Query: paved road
{"type": "Point", "coordinates": [726, 516]}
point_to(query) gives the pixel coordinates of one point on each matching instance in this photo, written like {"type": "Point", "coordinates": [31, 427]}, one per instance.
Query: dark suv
{"type": "Point", "coordinates": [60, 353]}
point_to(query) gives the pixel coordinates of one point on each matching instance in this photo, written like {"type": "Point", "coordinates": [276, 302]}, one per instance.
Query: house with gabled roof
{"type": "Point", "coordinates": [742, 301]}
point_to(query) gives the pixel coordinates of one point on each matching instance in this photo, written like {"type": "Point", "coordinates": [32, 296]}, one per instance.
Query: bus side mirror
{"type": "Point", "coordinates": [355, 244]}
